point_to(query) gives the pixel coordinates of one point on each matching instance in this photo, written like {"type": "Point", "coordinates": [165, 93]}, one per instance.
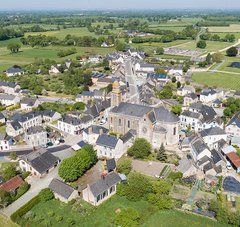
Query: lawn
{"type": "Point", "coordinates": [232, 28]}
{"type": "Point", "coordinates": [55, 213]}
{"type": "Point", "coordinates": [179, 219]}
{"type": "Point", "coordinates": [226, 65]}
{"type": "Point", "coordinates": [5, 222]}
{"type": "Point", "coordinates": [217, 79]}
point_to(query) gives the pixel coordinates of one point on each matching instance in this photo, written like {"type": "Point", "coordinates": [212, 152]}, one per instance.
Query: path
{"type": "Point", "coordinates": [193, 192]}
{"type": "Point", "coordinates": [219, 71]}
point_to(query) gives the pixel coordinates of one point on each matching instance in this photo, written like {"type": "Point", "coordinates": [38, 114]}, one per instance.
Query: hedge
{"type": "Point", "coordinates": [25, 208]}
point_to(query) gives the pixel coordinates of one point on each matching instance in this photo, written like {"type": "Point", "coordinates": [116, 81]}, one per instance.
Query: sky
{"type": "Point", "coordinates": [118, 4]}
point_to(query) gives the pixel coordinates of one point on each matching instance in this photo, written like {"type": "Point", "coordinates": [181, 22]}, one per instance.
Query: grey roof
{"type": "Point", "coordinates": [198, 146]}
{"type": "Point", "coordinates": [81, 144]}
{"type": "Point", "coordinates": [29, 101]}
{"type": "Point", "coordinates": [208, 167]}
{"type": "Point", "coordinates": [235, 120]}
{"type": "Point", "coordinates": [7, 97]}
{"type": "Point", "coordinates": [14, 70]}
{"type": "Point", "coordinates": [27, 116]}
{"type": "Point", "coordinates": [2, 136]}
{"type": "Point", "coordinates": [216, 156]}
{"type": "Point", "coordinates": [164, 115]}
{"type": "Point", "coordinates": [41, 160]}
{"type": "Point", "coordinates": [105, 183]}
{"type": "Point", "coordinates": [61, 188]}
{"type": "Point", "coordinates": [16, 125]}
{"type": "Point", "coordinates": [111, 165]}
{"type": "Point", "coordinates": [86, 118]}
{"type": "Point", "coordinates": [34, 130]}
{"type": "Point", "coordinates": [107, 141]}
{"type": "Point", "coordinates": [48, 113]}
{"type": "Point", "coordinates": [191, 114]}
{"type": "Point", "coordinates": [214, 131]}
{"type": "Point", "coordinates": [71, 120]}
{"type": "Point", "coordinates": [7, 84]}
{"type": "Point", "coordinates": [2, 115]}
{"type": "Point", "coordinates": [96, 129]}
{"type": "Point", "coordinates": [193, 96]}
{"type": "Point", "coordinates": [207, 92]}
{"type": "Point", "coordinates": [86, 93]}
{"type": "Point", "coordinates": [205, 159]}
{"type": "Point", "coordinates": [129, 135]}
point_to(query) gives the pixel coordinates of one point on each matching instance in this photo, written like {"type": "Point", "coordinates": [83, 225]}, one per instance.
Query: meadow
{"type": "Point", "coordinates": [230, 29]}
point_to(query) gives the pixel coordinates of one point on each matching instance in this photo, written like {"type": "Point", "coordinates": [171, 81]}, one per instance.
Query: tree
{"type": "Point", "coordinates": [128, 217]}
{"type": "Point", "coordinates": [178, 84]}
{"type": "Point", "coordinates": [174, 79]}
{"type": "Point", "coordinates": [217, 57]}
{"type": "Point", "coordinates": [232, 52]}
{"type": "Point", "coordinates": [140, 149]}
{"type": "Point", "coordinates": [138, 186]}
{"type": "Point", "coordinates": [14, 47]}
{"type": "Point", "coordinates": [46, 194]}
{"type": "Point", "coordinates": [79, 106]}
{"type": "Point", "coordinates": [9, 172]}
{"type": "Point", "coordinates": [161, 71]}
{"type": "Point", "coordinates": [5, 198]}
{"type": "Point", "coordinates": [13, 155]}
{"type": "Point", "coordinates": [201, 44]}
{"type": "Point", "coordinates": [68, 169]}
{"type": "Point", "coordinates": [160, 51]}
{"type": "Point", "coordinates": [120, 46]}
{"type": "Point", "coordinates": [161, 154]}
{"type": "Point", "coordinates": [177, 109]}
{"type": "Point", "coordinates": [124, 166]}
{"type": "Point", "coordinates": [209, 59]}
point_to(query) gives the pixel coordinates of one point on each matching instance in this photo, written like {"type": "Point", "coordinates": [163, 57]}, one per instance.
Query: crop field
{"type": "Point", "coordinates": [218, 79]}
{"type": "Point", "coordinates": [232, 28]}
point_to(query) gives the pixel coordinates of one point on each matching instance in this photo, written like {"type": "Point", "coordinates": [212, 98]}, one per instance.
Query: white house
{"type": "Point", "coordinates": [144, 67]}
{"type": "Point", "coordinates": [4, 143]}
{"type": "Point", "coordinates": [101, 190]}
{"type": "Point", "coordinates": [109, 147]}
{"type": "Point", "coordinates": [14, 71]}
{"type": "Point", "coordinates": [70, 125]}
{"type": "Point", "coordinates": [233, 129]}
{"type": "Point", "coordinates": [9, 99]}
{"type": "Point", "coordinates": [36, 136]}
{"type": "Point", "coordinates": [190, 99]}
{"type": "Point", "coordinates": [28, 104]}
{"type": "Point", "coordinates": [187, 89]}
{"type": "Point", "coordinates": [9, 87]}
{"type": "Point", "coordinates": [39, 162]}
{"type": "Point", "coordinates": [210, 95]}
{"type": "Point", "coordinates": [91, 134]}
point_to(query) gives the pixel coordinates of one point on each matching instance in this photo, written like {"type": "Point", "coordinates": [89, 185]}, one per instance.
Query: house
{"type": "Point", "coordinates": [4, 142]}
{"type": "Point", "coordinates": [189, 99]}
{"type": "Point", "coordinates": [28, 104]}
{"type": "Point", "coordinates": [111, 165]}
{"type": "Point", "coordinates": [79, 145]}
{"type": "Point", "coordinates": [14, 129]}
{"type": "Point", "coordinates": [109, 147]}
{"type": "Point", "coordinates": [9, 99]}
{"type": "Point", "coordinates": [39, 162]}
{"type": "Point", "coordinates": [233, 129]}
{"type": "Point", "coordinates": [50, 116]}
{"type": "Point", "coordinates": [157, 125]}
{"type": "Point", "coordinates": [128, 139]}
{"type": "Point", "coordinates": [186, 167]}
{"type": "Point", "coordinates": [187, 89]}
{"type": "Point", "coordinates": [103, 82]}
{"type": "Point", "coordinates": [199, 117]}
{"type": "Point", "coordinates": [212, 135]}
{"type": "Point", "coordinates": [234, 159]}
{"type": "Point", "coordinates": [14, 71]}
{"type": "Point", "coordinates": [217, 103]}
{"type": "Point", "coordinates": [91, 134]}
{"type": "Point", "coordinates": [2, 118]}
{"type": "Point", "coordinates": [12, 185]}
{"type": "Point", "coordinates": [210, 95]}
{"type": "Point", "coordinates": [159, 78]}
{"type": "Point", "coordinates": [62, 191]}
{"type": "Point", "coordinates": [88, 96]}
{"type": "Point", "coordinates": [36, 136]}
{"type": "Point", "coordinates": [9, 88]}
{"type": "Point", "coordinates": [70, 125]}
{"type": "Point", "coordinates": [101, 190]}
{"type": "Point", "coordinates": [144, 67]}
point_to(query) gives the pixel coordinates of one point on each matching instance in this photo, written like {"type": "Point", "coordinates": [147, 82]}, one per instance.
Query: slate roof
{"type": "Point", "coordinates": [199, 146]}
{"type": "Point", "coordinates": [111, 165]}
{"type": "Point", "coordinates": [28, 101]}
{"type": "Point", "coordinates": [191, 114]}
{"type": "Point", "coordinates": [96, 129]}
{"type": "Point", "coordinates": [2, 116]}
{"type": "Point", "coordinates": [34, 130]}
{"type": "Point", "coordinates": [48, 113]}
{"type": "Point", "coordinates": [71, 120]}
{"type": "Point", "coordinates": [216, 157]}
{"type": "Point", "coordinates": [41, 160]}
{"type": "Point", "coordinates": [27, 116]}
{"type": "Point", "coordinates": [214, 131]}
{"type": "Point", "coordinates": [16, 125]}
{"type": "Point", "coordinates": [7, 97]}
{"type": "Point", "coordinates": [105, 183]}
{"type": "Point", "coordinates": [235, 120]}
{"type": "Point", "coordinates": [129, 135]}
{"type": "Point", "coordinates": [7, 84]}
{"type": "Point", "coordinates": [107, 141]}
{"type": "Point", "coordinates": [207, 92]}
{"type": "Point", "coordinates": [61, 188]}
{"type": "Point", "coordinates": [193, 96]}
{"type": "Point", "coordinates": [14, 70]}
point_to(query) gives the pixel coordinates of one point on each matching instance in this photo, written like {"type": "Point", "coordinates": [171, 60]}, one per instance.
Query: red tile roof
{"type": "Point", "coordinates": [234, 158]}
{"type": "Point", "coordinates": [12, 184]}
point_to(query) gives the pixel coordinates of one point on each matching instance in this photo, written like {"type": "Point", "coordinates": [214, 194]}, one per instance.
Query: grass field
{"type": "Point", "coordinates": [5, 222]}
{"type": "Point", "coordinates": [104, 215]}
{"type": "Point", "coordinates": [217, 79]}
{"type": "Point", "coordinates": [232, 28]}
{"type": "Point", "coordinates": [212, 46]}
{"type": "Point", "coordinates": [226, 65]}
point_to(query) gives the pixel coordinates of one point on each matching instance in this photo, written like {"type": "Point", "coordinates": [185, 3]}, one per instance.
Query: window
{"type": "Point", "coordinates": [119, 122]}
{"type": "Point", "coordinates": [112, 189]}
{"type": "Point", "coordinates": [98, 198]}
{"type": "Point", "coordinates": [129, 125]}
{"type": "Point", "coordinates": [174, 131]}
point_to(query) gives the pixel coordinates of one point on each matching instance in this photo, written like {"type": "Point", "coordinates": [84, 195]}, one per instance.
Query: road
{"type": "Point", "coordinates": [37, 184]}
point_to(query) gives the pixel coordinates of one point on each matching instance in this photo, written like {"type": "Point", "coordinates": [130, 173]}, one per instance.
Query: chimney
{"type": "Point", "coordinates": [90, 130]}
{"type": "Point", "coordinates": [100, 131]}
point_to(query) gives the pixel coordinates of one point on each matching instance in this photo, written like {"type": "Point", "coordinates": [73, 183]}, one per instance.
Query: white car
{"type": "Point", "coordinates": [229, 166]}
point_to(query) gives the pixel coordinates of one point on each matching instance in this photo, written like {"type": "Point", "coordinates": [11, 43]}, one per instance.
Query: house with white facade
{"type": "Point", "coordinates": [233, 129]}
{"type": "Point", "coordinates": [9, 88]}
{"type": "Point", "coordinates": [91, 134]}
{"type": "Point", "coordinates": [187, 89]}
{"type": "Point", "coordinates": [9, 99]}
{"type": "Point", "coordinates": [4, 143]}
{"type": "Point", "coordinates": [109, 147]}
{"type": "Point", "coordinates": [28, 104]}
{"type": "Point", "coordinates": [190, 99]}
{"type": "Point", "coordinates": [36, 136]}
{"type": "Point", "coordinates": [199, 117]}
{"type": "Point", "coordinates": [102, 189]}
{"type": "Point", "coordinates": [14, 71]}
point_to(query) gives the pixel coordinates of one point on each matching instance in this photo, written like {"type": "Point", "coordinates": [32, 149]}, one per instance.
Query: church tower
{"type": "Point", "coordinates": [116, 95]}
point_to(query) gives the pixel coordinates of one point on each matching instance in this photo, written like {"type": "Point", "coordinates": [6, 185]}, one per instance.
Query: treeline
{"type": "Point", "coordinates": [39, 40]}
{"type": "Point", "coordinates": [214, 37]}
{"type": "Point", "coordinates": [167, 35]}
{"type": "Point", "coordinates": [7, 33]}
{"type": "Point", "coordinates": [64, 53]}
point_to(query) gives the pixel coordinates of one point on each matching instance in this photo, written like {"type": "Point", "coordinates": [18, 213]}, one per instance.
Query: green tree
{"type": "Point", "coordinates": [177, 109]}
{"type": "Point", "coordinates": [9, 172]}
{"type": "Point", "coordinates": [120, 46]}
{"type": "Point", "coordinates": [209, 59]}
{"type": "Point", "coordinates": [217, 57]}
{"type": "Point", "coordinates": [124, 166]}
{"type": "Point", "coordinates": [201, 44]}
{"type": "Point", "coordinates": [128, 217]}
{"type": "Point", "coordinates": [232, 52]}
{"type": "Point", "coordinates": [138, 186]}
{"type": "Point", "coordinates": [5, 198]}
{"type": "Point", "coordinates": [160, 51]}
{"type": "Point", "coordinates": [46, 194]}
{"type": "Point", "coordinates": [140, 149]}
{"type": "Point", "coordinates": [79, 106]}
{"type": "Point", "coordinates": [161, 154]}
{"type": "Point", "coordinates": [14, 47]}
{"type": "Point", "coordinates": [13, 155]}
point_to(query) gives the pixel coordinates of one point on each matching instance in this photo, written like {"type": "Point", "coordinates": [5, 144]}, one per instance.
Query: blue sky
{"type": "Point", "coordinates": [119, 4]}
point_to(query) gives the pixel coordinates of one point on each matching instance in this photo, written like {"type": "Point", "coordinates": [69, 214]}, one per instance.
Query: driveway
{"type": "Point", "coordinates": [37, 184]}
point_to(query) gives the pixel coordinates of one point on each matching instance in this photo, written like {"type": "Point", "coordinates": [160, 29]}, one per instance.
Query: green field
{"type": "Point", "coordinates": [230, 29]}
{"type": "Point", "coordinates": [218, 79]}
{"type": "Point", "coordinates": [104, 215]}
{"type": "Point", "coordinates": [5, 222]}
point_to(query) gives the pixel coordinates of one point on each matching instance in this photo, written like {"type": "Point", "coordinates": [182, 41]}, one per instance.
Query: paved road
{"type": "Point", "coordinates": [36, 185]}
{"type": "Point", "coordinates": [27, 151]}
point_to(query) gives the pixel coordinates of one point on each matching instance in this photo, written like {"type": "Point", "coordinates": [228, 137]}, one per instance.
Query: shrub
{"type": "Point", "coordinates": [25, 208]}
{"type": "Point", "coordinates": [46, 195]}
{"type": "Point", "coordinates": [25, 174]}
{"type": "Point", "coordinates": [175, 175]}
{"type": "Point", "coordinates": [59, 218]}
{"type": "Point", "coordinates": [124, 166]}
{"type": "Point", "coordinates": [127, 217]}
{"type": "Point", "coordinates": [71, 221]}
{"type": "Point", "coordinates": [22, 190]}
{"type": "Point", "coordinates": [140, 149]}
{"type": "Point", "coordinates": [51, 213]}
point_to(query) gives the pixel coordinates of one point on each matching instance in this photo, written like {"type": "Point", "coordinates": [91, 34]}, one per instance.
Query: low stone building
{"type": "Point", "coordinates": [36, 136]}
